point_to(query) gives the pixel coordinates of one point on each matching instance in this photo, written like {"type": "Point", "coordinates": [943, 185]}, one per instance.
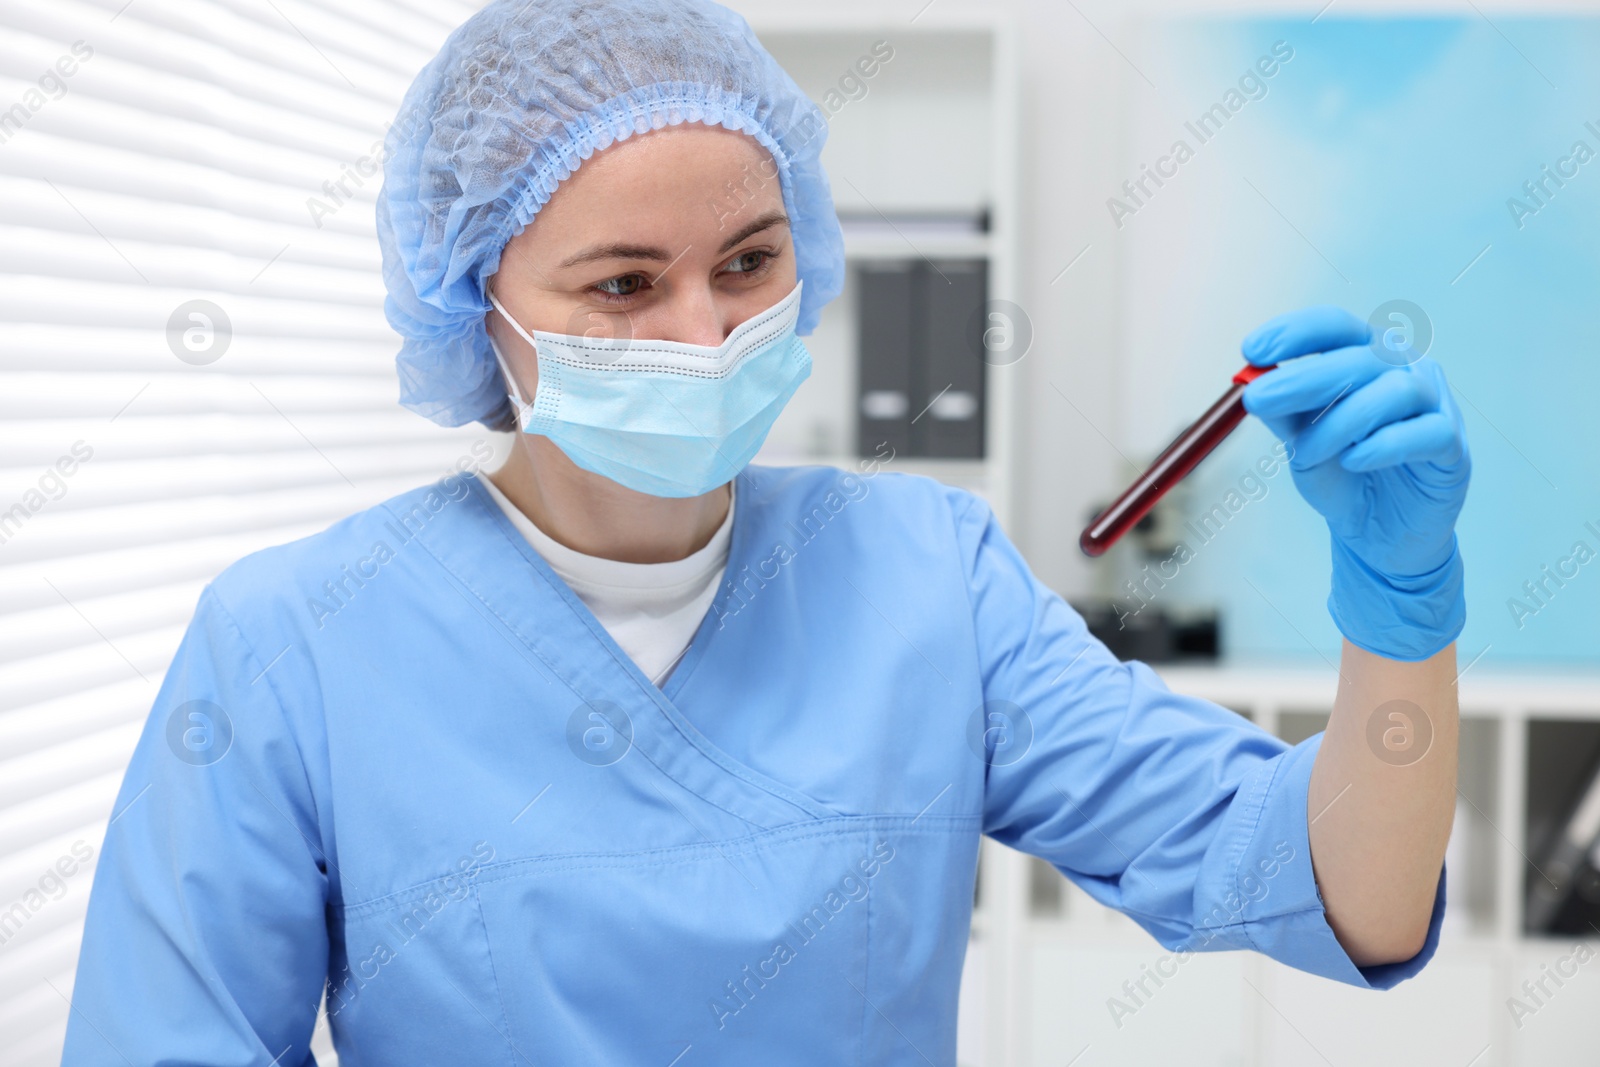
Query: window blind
{"type": "Point", "coordinates": [194, 364]}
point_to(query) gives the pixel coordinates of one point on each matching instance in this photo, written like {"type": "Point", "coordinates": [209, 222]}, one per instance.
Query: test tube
{"type": "Point", "coordinates": [1171, 467]}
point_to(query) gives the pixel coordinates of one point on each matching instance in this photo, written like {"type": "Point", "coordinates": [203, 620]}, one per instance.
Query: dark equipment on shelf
{"type": "Point", "coordinates": [1154, 635]}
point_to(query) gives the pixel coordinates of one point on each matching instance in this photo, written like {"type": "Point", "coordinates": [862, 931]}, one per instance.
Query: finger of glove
{"type": "Point", "coordinates": [1287, 427]}
{"type": "Point", "coordinates": [1447, 401]}
{"type": "Point", "coordinates": [1429, 438]}
{"type": "Point", "coordinates": [1300, 333]}
{"type": "Point", "coordinates": [1461, 455]}
{"type": "Point", "coordinates": [1389, 398]}
{"type": "Point", "coordinates": [1311, 386]}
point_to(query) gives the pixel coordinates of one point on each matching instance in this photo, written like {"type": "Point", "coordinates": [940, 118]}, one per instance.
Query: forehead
{"type": "Point", "coordinates": [690, 173]}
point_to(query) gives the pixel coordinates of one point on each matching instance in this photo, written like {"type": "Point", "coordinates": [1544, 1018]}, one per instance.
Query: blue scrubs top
{"type": "Point", "coordinates": [400, 759]}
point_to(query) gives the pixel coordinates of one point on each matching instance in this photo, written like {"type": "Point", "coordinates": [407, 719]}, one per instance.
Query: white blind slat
{"type": "Point", "coordinates": [22, 965]}
{"type": "Point", "coordinates": [44, 818]}
{"type": "Point", "coordinates": [69, 625]}
{"type": "Point", "coordinates": [53, 534]}
{"type": "Point", "coordinates": [124, 569]}
{"type": "Point", "coordinates": [35, 395]}
{"type": "Point", "coordinates": [80, 713]}
{"type": "Point", "coordinates": [72, 347]}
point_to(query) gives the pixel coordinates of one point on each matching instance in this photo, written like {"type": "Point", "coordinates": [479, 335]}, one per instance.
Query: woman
{"type": "Point", "coordinates": [633, 753]}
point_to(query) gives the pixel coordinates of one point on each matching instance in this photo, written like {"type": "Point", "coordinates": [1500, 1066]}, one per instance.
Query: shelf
{"type": "Point", "coordinates": [901, 243]}
{"type": "Point", "coordinates": [1571, 694]}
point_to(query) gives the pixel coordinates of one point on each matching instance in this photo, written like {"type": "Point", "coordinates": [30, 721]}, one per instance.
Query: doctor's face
{"type": "Point", "coordinates": [675, 235]}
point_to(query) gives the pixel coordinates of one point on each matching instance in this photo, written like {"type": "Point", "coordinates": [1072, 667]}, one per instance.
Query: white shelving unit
{"type": "Point", "coordinates": [1072, 955]}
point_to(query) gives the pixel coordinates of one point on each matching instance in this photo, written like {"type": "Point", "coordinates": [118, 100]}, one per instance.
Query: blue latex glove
{"type": "Point", "coordinates": [1381, 452]}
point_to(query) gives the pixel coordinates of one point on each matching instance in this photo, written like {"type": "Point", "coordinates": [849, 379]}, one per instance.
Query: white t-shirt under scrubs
{"type": "Point", "coordinates": [650, 609]}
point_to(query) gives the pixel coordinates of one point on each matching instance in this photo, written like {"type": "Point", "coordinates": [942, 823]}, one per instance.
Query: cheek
{"type": "Point", "coordinates": [773, 288]}
{"type": "Point", "coordinates": [781, 275]}
{"type": "Point", "coordinates": [596, 324]}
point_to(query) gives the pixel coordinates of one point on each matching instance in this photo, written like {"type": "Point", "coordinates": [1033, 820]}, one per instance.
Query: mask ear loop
{"type": "Point", "coordinates": [523, 406]}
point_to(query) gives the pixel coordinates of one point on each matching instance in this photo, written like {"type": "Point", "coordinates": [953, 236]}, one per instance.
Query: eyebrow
{"type": "Point", "coordinates": [761, 222]}
{"type": "Point", "coordinates": [660, 255]}
{"type": "Point", "coordinates": [615, 251]}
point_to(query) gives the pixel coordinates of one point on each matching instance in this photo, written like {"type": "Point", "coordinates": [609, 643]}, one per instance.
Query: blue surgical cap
{"type": "Point", "coordinates": [519, 96]}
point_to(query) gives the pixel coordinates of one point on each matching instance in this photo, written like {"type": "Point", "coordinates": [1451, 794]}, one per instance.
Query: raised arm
{"type": "Point", "coordinates": [1378, 448]}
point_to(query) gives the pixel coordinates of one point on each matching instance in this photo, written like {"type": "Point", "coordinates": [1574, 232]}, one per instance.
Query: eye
{"type": "Point", "coordinates": [749, 262]}
{"type": "Point", "coordinates": [620, 287]}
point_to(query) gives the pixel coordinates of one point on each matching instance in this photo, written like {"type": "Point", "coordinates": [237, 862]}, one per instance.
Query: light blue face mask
{"type": "Point", "coordinates": [661, 417]}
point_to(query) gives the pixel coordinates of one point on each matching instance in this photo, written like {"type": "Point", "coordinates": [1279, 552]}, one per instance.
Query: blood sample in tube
{"type": "Point", "coordinates": [1171, 467]}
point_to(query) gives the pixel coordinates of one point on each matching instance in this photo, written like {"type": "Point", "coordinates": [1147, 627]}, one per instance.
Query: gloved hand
{"type": "Point", "coordinates": [1381, 452]}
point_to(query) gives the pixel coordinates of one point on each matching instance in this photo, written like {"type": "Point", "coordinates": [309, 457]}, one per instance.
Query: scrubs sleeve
{"type": "Point", "coordinates": [1177, 812]}
{"type": "Point", "coordinates": [205, 940]}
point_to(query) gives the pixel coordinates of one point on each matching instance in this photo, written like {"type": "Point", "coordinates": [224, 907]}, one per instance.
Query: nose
{"type": "Point", "coordinates": [697, 319]}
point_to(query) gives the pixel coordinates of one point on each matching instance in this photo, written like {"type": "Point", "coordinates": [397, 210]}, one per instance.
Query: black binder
{"type": "Point", "coordinates": [885, 344]}
{"type": "Point", "coordinates": [952, 390]}
{"type": "Point", "coordinates": [922, 358]}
